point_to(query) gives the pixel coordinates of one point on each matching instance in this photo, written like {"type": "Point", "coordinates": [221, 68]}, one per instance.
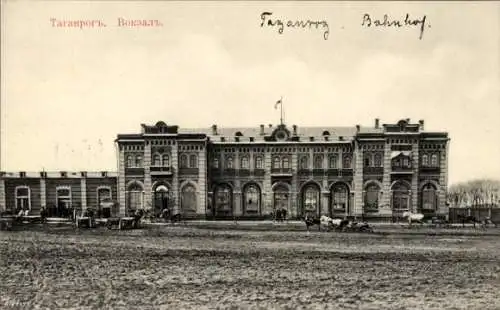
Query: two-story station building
{"type": "Point", "coordinates": [373, 172]}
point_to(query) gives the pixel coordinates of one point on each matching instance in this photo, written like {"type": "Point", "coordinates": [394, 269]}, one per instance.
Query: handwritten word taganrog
{"type": "Point", "coordinates": [297, 24]}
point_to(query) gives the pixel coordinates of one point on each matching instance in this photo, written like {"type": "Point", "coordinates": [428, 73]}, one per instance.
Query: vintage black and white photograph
{"type": "Point", "coordinates": [250, 155]}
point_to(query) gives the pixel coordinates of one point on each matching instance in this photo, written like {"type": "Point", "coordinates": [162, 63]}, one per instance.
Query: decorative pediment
{"type": "Point", "coordinates": [403, 125]}
{"type": "Point", "coordinates": [281, 133]}
{"type": "Point", "coordinates": [160, 127]}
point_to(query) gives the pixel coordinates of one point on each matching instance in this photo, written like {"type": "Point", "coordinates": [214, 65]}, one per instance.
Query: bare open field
{"type": "Point", "coordinates": [181, 267]}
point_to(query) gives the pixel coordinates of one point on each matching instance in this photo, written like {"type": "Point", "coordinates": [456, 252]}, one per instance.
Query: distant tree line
{"type": "Point", "coordinates": [475, 193]}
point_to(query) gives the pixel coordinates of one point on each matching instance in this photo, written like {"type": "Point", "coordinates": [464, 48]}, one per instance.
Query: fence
{"type": "Point", "coordinates": [480, 213]}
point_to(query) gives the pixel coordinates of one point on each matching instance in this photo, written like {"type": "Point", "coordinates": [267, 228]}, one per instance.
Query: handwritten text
{"type": "Point", "coordinates": [266, 20]}
{"type": "Point", "coordinates": [368, 21]}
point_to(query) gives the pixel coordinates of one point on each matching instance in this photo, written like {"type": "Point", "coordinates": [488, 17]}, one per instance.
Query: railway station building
{"type": "Point", "coordinates": [375, 172]}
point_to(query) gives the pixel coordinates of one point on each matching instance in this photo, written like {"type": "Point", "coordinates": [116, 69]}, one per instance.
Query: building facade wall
{"type": "Point", "coordinates": [204, 171]}
{"type": "Point", "coordinates": [43, 189]}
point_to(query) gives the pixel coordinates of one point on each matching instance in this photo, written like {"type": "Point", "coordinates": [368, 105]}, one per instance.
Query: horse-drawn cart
{"type": "Point", "coordinates": [346, 226]}
{"type": "Point", "coordinates": [85, 219]}
{"type": "Point", "coordinates": [8, 219]}
{"type": "Point", "coordinates": [337, 224]}
{"type": "Point", "coordinates": [127, 222]}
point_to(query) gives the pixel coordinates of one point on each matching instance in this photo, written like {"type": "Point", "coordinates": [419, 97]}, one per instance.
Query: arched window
{"type": "Point", "coordinates": [188, 200]}
{"type": "Point", "coordinates": [130, 161]}
{"type": "Point", "coordinates": [135, 197]}
{"type": "Point", "coordinates": [245, 164]}
{"type": "Point", "coordinates": [367, 160]}
{"type": "Point", "coordinates": [400, 197]}
{"type": "Point", "coordinates": [285, 162]}
{"type": "Point", "coordinates": [193, 161]}
{"type": "Point", "coordinates": [434, 160]}
{"type": "Point", "coordinates": [156, 160]}
{"type": "Point", "coordinates": [223, 200]}
{"type": "Point", "coordinates": [429, 198]}
{"type": "Point", "coordinates": [165, 160]}
{"type": "Point", "coordinates": [184, 161]}
{"type": "Point", "coordinates": [138, 161]}
{"type": "Point", "coordinates": [346, 163]}
{"type": "Point", "coordinates": [258, 162]}
{"type": "Point", "coordinates": [304, 162]}
{"type": "Point", "coordinates": [425, 160]}
{"type": "Point", "coordinates": [251, 200]}
{"type": "Point", "coordinates": [23, 198]}
{"type": "Point", "coordinates": [311, 199]}
{"type": "Point", "coordinates": [215, 163]}
{"type": "Point", "coordinates": [371, 202]}
{"type": "Point", "coordinates": [332, 162]}
{"type": "Point", "coordinates": [340, 197]}
{"type": "Point", "coordinates": [377, 160]}
{"type": "Point", "coordinates": [229, 162]}
{"type": "Point", "coordinates": [318, 162]}
{"type": "Point", "coordinates": [276, 162]}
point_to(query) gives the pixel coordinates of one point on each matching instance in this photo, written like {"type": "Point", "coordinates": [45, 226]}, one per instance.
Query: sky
{"type": "Point", "coordinates": [67, 92]}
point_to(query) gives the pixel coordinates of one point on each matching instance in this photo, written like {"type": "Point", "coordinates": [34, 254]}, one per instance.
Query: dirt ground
{"type": "Point", "coordinates": [179, 268]}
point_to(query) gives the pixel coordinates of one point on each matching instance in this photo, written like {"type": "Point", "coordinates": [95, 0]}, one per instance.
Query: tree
{"type": "Point", "coordinates": [475, 193]}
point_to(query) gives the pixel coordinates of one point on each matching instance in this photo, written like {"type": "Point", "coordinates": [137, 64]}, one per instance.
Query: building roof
{"type": "Point", "coordinates": [229, 133]}
{"type": "Point", "coordinates": [263, 133]}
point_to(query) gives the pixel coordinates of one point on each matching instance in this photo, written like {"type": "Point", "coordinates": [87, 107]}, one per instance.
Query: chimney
{"type": "Point", "coordinates": [294, 130]}
{"type": "Point", "coordinates": [358, 128]}
{"type": "Point", "coordinates": [261, 130]}
{"type": "Point", "coordinates": [377, 123]}
{"type": "Point", "coordinates": [214, 130]}
{"type": "Point", "coordinates": [270, 125]}
{"type": "Point", "coordinates": [421, 123]}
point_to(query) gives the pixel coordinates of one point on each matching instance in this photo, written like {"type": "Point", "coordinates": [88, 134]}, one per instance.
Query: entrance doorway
{"type": "Point", "coordinates": [161, 199]}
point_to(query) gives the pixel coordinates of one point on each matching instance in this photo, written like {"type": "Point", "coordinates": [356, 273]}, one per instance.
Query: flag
{"type": "Point", "coordinates": [277, 103]}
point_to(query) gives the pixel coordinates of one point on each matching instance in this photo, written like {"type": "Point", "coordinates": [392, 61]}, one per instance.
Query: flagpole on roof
{"type": "Point", "coordinates": [282, 112]}
{"type": "Point", "coordinates": [280, 102]}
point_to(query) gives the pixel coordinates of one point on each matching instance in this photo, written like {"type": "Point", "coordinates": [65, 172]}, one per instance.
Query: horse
{"type": "Point", "coordinates": [137, 218]}
{"type": "Point", "coordinates": [413, 217]}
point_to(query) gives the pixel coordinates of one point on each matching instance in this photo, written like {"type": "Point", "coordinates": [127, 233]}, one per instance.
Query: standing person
{"type": "Point", "coordinates": [43, 214]}
{"type": "Point", "coordinates": [90, 214]}
{"type": "Point", "coordinates": [165, 213]}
